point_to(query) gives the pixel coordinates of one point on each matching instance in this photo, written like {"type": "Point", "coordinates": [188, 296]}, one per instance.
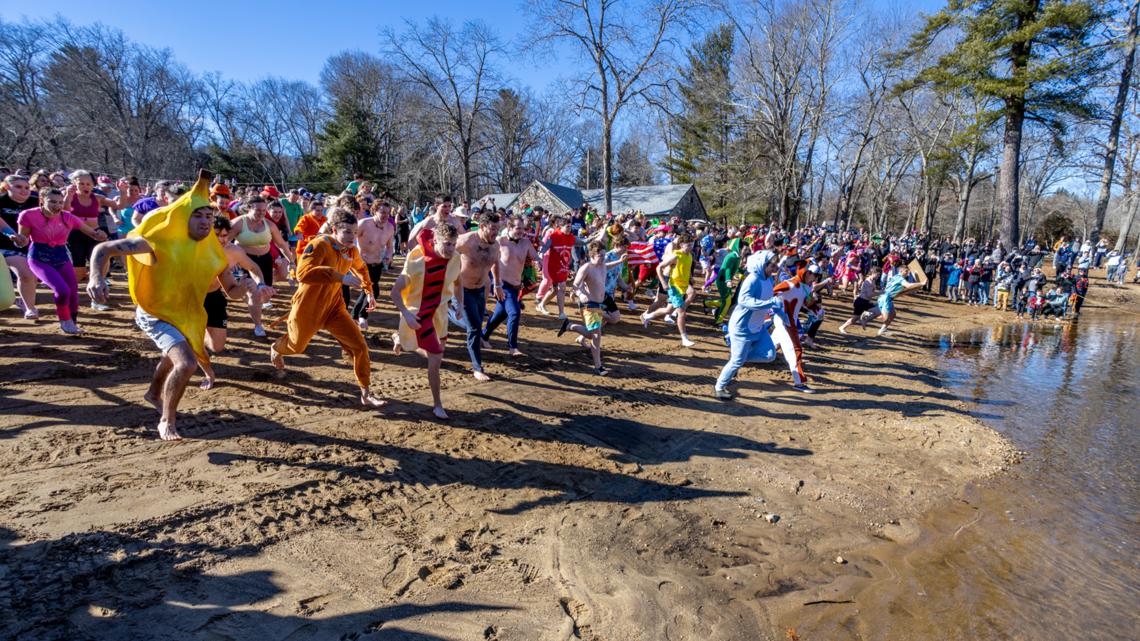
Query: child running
{"type": "Point", "coordinates": [679, 279]}
{"type": "Point", "coordinates": [896, 286]}
{"type": "Point", "coordinates": [590, 285]}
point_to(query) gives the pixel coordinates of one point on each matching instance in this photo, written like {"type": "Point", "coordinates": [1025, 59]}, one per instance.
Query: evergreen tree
{"type": "Point", "coordinates": [348, 144]}
{"type": "Point", "coordinates": [1032, 56]}
{"type": "Point", "coordinates": [701, 140]}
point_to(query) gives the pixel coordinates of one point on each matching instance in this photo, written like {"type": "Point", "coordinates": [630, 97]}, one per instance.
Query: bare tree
{"type": "Point", "coordinates": [629, 46]}
{"type": "Point", "coordinates": [455, 67]}
{"type": "Point", "coordinates": [787, 58]}
{"type": "Point", "coordinates": [1129, 39]}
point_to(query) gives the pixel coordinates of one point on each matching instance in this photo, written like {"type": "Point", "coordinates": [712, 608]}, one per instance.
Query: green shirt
{"type": "Point", "coordinates": [293, 212]}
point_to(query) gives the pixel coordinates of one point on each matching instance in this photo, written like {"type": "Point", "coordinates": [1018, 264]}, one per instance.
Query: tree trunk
{"type": "Point", "coordinates": [930, 206]}
{"type": "Point", "coordinates": [1126, 226]}
{"type": "Point", "coordinates": [1114, 128]}
{"type": "Point", "coordinates": [607, 165]}
{"type": "Point", "coordinates": [1010, 171]}
{"type": "Point", "coordinates": [993, 215]}
{"type": "Point", "coordinates": [963, 206]}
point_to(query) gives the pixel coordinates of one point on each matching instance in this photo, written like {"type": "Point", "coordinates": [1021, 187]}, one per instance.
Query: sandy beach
{"type": "Point", "coordinates": [554, 505]}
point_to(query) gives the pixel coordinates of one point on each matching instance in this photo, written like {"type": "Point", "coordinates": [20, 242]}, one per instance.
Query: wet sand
{"type": "Point", "coordinates": [554, 505]}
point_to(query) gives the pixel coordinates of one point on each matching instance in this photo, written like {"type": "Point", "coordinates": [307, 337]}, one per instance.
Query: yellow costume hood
{"type": "Point", "coordinates": [171, 282]}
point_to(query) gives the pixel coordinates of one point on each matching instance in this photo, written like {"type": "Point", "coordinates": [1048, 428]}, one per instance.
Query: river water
{"type": "Point", "coordinates": [1048, 551]}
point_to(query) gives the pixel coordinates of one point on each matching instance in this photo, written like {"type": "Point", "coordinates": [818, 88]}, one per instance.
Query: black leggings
{"type": "Point", "coordinates": [360, 310]}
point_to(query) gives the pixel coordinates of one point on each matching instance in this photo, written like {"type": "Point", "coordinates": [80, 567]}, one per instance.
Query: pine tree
{"type": "Point", "coordinates": [702, 137]}
{"type": "Point", "coordinates": [1032, 56]}
{"type": "Point", "coordinates": [348, 144]}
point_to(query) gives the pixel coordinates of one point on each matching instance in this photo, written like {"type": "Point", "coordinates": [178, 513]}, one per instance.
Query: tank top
{"type": "Point", "coordinates": [682, 271]}
{"type": "Point", "coordinates": [86, 212]}
{"type": "Point", "coordinates": [250, 238]}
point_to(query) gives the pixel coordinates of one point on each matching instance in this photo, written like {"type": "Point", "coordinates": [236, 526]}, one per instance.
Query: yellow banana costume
{"type": "Point", "coordinates": [171, 282]}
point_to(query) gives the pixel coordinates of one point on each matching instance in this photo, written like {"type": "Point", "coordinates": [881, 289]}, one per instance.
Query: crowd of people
{"type": "Point", "coordinates": [189, 251]}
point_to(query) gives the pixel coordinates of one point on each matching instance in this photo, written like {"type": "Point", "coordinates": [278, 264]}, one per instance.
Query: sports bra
{"type": "Point", "coordinates": [85, 211]}
{"type": "Point", "coordinates": [250, 238]}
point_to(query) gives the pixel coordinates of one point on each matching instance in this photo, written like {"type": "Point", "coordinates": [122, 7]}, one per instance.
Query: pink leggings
{"type": "Point", "coordinates": [60, 278]}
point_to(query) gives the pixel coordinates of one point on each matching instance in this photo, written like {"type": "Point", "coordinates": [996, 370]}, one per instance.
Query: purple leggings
{"type": "Point", "coordinates": [60, 278]}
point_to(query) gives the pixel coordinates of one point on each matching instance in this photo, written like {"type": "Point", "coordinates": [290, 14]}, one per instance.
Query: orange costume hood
{"type": "Point", "coordinates": [171, 282]}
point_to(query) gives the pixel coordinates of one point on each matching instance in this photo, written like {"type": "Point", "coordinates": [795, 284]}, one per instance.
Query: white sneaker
{"type": "Point", "coordinates": [631, 306]}
{"type": "Point", "coordinates": [363, 322]}
{"type": "Point", "coordinates": [669, 320]}
{"type": "Point", "coordinates": [259, 331]}
{"type": "Point", "coordinates": [685, 342]}
{"type": "Point", "coordinates": [100, 307]}
{"type": "Point", "coordinates": [644, 320]}
{"type": "Point", "coordinates": [267, 306]}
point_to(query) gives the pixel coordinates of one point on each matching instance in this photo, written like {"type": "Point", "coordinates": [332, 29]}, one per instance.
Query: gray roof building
{"type": "Point", "coordinates": [652, 200]}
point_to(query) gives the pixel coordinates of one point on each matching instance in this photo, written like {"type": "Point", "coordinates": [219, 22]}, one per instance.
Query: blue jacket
{"type": "Point", "coordinates": [756, 297]}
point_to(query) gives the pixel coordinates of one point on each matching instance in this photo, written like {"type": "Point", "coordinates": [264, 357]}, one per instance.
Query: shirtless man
{"type": "Point", "coordinates": [590, 286]}
{"type": "Point", "coordinates": [478, 253]}
{"type": "Point", "coordinates": [224, 287]}
{"type": "Point", "coordinates": [515, 249]}
{"type": "Point", "coordinates": [376, 239]}
{"type": "Point", "coordinates": [441, 214]}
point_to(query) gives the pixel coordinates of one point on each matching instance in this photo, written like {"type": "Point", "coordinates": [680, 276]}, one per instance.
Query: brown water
{"type": "Point", "coordinates": [1048, 551]}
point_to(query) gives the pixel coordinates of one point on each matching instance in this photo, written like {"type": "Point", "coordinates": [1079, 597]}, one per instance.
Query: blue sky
{"type": "Point", "coordinates": [292, 39]}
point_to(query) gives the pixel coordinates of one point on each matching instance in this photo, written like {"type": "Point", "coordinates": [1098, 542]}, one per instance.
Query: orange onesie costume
{"type": "Point", "coordinates": [318, 303]}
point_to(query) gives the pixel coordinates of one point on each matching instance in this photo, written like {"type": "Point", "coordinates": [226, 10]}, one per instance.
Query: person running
{"type": "Point", "coordinates": [725, 275]}
{"type": "Point", "coordinates": [85, 203]}
{"type": "Point", "coordinates": [897, 285]}
{"type": "Point", "coordinates": [864, 300]}
{"type": "Point", "coordinates": [310, 225]}
{"type": "Point", "coordinates": [590, 287]}
{"type": "Point", "coordinates": [171, 264]}
{"type": "Point", "coordinates": [515, 251]}
{"type": "Point", "coordinates": [431, 271]}
{"type": "Point", "coordinates": [376, 239]}
{"type": "Point", "coordinates": [749, 338]}
{"type": "Point", "coordinates": [441, 214]}
{"type": "Point", "coordinates": [615, 264]}
{"type": "Point", "coordinates": [18, 197]}
{"type": "Point", "coordinates": [328, 262]}
{"type": "Point", "coordinates": [794, 293]}
{"type": "Point", "coordinates": [254, 233]}
{"type": "Point", "coordinates": [557, 255]}
{"type": "Point", "coordinates": [678, 279]}
{"type": "Point", "coordinates": [227, 286]}
{"type": "Point", "coordinates": [478, 254]}
{"type": "Point", "coordinates": [48, 228]}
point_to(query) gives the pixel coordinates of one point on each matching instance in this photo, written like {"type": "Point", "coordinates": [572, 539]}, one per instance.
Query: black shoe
{"type": "Point", "coordinates": [601, 371]}
{"type": "Point", "coordinates": [565, 326]}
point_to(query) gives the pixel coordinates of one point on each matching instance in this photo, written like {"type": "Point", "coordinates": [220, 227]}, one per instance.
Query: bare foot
{"type": "Point", "coordinates": [439, 413]}
{"type": "Point", "coordinates": [368, 400]}
{"type": "Point", "coordinates": [581, 340]}
{"type": "Point", "coordinates": [155, 402]}
{"type": "Point", "coordinates": [843, 330]}
{"type": "Point", "coordinates": [277, 359]}
{"type": "Point", "coordinates": [207, 383]}
{"type": "Point", "coordinates": [167, 432]}
{"type": "Point", "coordinates": [480, 376]}
{"type": "Point", "coordinates": [396, 349]}
{"type": "Point", "coordinates": [516, 353]}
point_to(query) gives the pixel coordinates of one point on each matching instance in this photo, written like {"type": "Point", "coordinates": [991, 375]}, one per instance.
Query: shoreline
{"type": "Point", "coordinates": [554, 503]}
